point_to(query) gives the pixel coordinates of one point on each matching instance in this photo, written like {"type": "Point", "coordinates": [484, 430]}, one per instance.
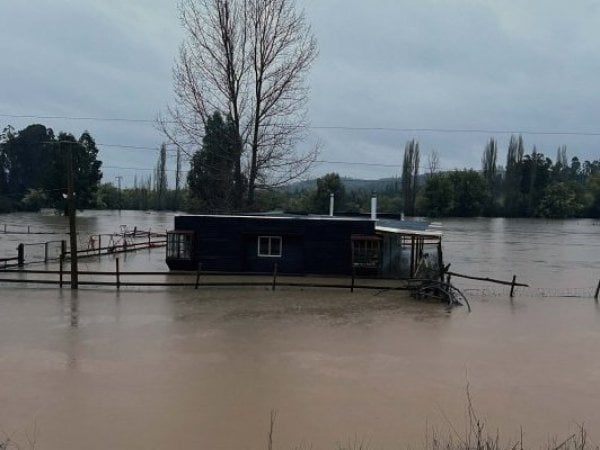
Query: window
{"type": "Point", "coordinates": [269, 246]}
{"type": "Point", "coordinates": [179, 244]}
{"type": "Point", "coordinates": [366, 252]}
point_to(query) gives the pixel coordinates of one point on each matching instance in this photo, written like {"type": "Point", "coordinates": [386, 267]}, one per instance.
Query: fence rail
{"type": "Point", "coordinates": [8, 262]}
{"type": "Point", "coordinates": [44, 252]}
{"type": "Point", "coordinates": [19, 228]}
{"type": "Point", "coordinates": [196, 279]}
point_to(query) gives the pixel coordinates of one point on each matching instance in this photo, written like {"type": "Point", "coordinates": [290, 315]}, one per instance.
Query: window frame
{"type": "Point", "coordinates": [180, 245]}
{"type": "Point", "coordinates": [270, 241]}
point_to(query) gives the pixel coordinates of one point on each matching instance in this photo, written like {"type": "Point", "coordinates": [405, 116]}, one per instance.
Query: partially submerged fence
{"type": "Point", "coordinates": [198, 278]}
{"type": "Point", "coordinates": [95, 245]}
{"type": "Point", "coordinates": [118, 278]}
{"type": "Point", "coordinates": [20, 228]}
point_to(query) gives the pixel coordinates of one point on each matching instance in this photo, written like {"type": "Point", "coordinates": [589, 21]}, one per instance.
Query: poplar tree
{"type": "Point", "coordinates": [490, 156]}
{"type": "Point", "coordinates": [410, 174]}
{"type": "Point", "coordinates": [160, 177]}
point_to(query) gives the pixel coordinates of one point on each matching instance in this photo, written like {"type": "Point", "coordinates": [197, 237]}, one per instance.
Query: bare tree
{"type": "Point", "coordinates": [433, 162]}
{"type": "Point", "coordinates": [246, 59]}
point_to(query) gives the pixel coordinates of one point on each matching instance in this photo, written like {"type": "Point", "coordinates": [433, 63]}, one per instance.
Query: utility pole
{"type": "Point", "coordinates": [72, 219]}
{"type": "Point", "coordinates": [119, 178]}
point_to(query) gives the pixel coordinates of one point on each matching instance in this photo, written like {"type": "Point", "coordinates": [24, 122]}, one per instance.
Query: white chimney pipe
{"type": "Point", "coordinates": [374, 207]}
{"type": "Point", "coordinates": [331, 203]}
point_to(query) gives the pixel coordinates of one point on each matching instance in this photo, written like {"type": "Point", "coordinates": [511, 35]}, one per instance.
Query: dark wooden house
{"type": "Point", "coordinates": [320, 245]}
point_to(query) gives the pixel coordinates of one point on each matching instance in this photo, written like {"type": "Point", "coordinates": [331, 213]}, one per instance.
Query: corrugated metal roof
{"type": "Point", "coordinates": [412, 227]}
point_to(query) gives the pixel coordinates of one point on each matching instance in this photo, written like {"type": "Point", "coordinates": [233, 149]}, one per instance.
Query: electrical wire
{"type": "Point", "coordinates": [333, 127]}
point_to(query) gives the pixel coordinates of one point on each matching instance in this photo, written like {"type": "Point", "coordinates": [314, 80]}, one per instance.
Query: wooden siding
{"type": "Point", "coordinates": [309, 245]}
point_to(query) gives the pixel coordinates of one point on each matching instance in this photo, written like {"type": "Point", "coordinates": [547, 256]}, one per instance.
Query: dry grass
{"type": "Point", "coordinates": [478, 436]}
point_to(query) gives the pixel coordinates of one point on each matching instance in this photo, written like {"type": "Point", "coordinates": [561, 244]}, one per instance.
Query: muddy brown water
{"type": "Point", "coordinates": [178, 368]}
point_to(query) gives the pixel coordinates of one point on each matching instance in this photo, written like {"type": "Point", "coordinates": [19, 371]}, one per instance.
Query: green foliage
{"type": "Point", "coordinates": [459, 193]}
{"type": "Point", "coordinates": [470, 194]}
{"type": "Point", "coordinates": [512, 177]}
{"type": "Point", "coordinates": [26, 155]}
{"type": "Point", "coordinates": [86, 169]}
{"type": "Point", "coordinates": [34, 160]}
{"type": "Point", "coordinates": [212, 178]}
{"type": "Point", "coordinates": [593, 196]}
{"type": "Point", "coordinates": [34, 200]}
{"type": "Point", "coordinates": [160, 178]}
{"type": "Point", "coordinates": [271, 200]}
{"type": "Point", "coordinates": [107, 197]}
{"type": "Point", "coordinates": [326, 185]}
{"type": "Point", "coordinates": [410, 174]}
{"type": "Point", "coordinates": [490, 156]}
{"type": "Point", "coordinates": [438, 196]}
{"type": "Point", "coordinates": [560, 200]}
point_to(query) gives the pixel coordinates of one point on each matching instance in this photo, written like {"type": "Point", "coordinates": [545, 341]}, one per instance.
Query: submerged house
{"type": "Point", "coordinates": [303, 245]}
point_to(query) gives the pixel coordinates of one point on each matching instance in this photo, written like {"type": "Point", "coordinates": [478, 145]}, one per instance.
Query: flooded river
{"type": "Point", "coordinates": [178, 368]}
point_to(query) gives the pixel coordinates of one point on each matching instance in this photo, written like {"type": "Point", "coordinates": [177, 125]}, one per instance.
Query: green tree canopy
{"type": "Point", "coordinates": [327, 185]}
{"type": "Point", "coordinates": [410, 175]}
{"type": "Point", "coordinates": [469, 189]}
{"type": "Point", "coordinates": [212, 176]}
{"type": "Point", "coordinates": [34, 165]}
{"type": "Point", "coordinates": [438, 196]}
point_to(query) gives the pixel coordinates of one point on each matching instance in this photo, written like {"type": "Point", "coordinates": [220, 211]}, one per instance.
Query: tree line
{"type": "Point", "coordinates": [33, 168]}
{"type": "Point", "coordinates": [33, 171]}
{"type": "Point", "coordinates": [528, 185]}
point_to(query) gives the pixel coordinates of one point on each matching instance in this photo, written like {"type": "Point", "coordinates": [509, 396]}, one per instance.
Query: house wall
{"type": "Point", "coordinates": [309, 245]}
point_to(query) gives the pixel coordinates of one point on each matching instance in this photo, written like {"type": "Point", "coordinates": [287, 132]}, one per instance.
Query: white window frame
{"type": "Point", "coordinates": [273, 252]}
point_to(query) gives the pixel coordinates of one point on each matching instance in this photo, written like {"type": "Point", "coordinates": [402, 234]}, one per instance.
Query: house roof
{"type": "Point", "coordinates": [411, 227]}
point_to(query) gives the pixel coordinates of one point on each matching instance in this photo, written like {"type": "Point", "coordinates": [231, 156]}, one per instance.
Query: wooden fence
{"type": "Point", "coordinates": [44, 252]}
{"type": "Point", "coordinates": [198, 278]}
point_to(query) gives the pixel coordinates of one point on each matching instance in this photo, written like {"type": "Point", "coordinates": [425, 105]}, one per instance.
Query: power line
{"type": "Point", "coordinates": [351, 163]}
{"type": "Point", "coordinates": [96, 119]}
{"type": "Point", "coordinates": [140, 168]}
{"type": "Point", "coordinates": [337, 127]}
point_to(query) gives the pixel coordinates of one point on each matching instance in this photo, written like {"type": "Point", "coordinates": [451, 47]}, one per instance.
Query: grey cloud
{"type": "Point", "coordinates": [485, 64]}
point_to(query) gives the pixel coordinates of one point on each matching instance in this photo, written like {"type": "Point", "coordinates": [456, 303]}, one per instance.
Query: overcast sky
{"type": "Point", "coordinates": [422, 66]}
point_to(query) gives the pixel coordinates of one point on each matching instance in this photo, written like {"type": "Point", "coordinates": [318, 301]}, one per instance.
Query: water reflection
{"type": "Point", "coordinates": [74, 308]}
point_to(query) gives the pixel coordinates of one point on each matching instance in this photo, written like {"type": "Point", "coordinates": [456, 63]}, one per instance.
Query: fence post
{"type": "Point", "coordinates": [353, 276]}
{"type": "Point", "coordinates": [440, 262]}
{"type": "Point", "coordinates": [21, 255]}
{"type": "Point", "coordinates": [597, 291]}
{"type": "Point", "coordinates": [512, 286]}
{"type": "Point", "coordinates": [118, 274]}
{"type": "Point", "coordinates": [28, 229]}
{"type": "Point", "coordinates": [198, 270]}
{"type": "Point", "coordinates": [63, 248]}
{"type": "Point", "coordinates": [60, 269]}
{"type": "Point", "coordinates": [45, 252]}
{"type": "Point", "coordinates": [274, 276]}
